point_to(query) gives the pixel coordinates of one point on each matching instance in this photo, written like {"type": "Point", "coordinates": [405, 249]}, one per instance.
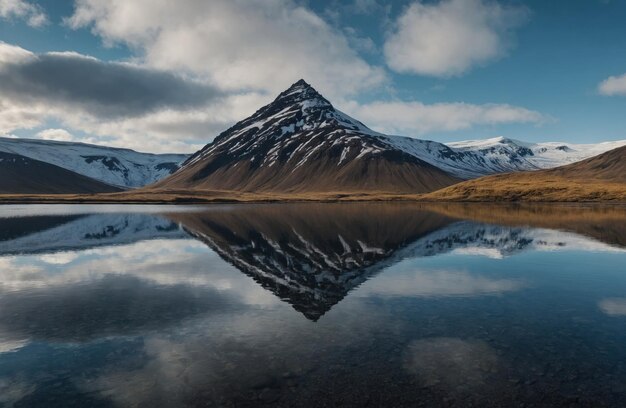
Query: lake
{"type": "Point", "coordinates": [313, 305]}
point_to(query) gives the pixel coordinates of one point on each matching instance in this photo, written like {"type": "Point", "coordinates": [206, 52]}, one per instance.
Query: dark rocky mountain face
{"type": "Point", "coordinates": [301, 143]}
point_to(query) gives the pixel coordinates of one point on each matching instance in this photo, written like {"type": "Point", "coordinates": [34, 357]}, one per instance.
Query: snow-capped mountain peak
{"type": "Point", "coordinates": [298, 109]}
{"type": "Point", "coordinates": [300, 142]}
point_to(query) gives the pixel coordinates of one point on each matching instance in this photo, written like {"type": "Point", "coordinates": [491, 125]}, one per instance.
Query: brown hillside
{"type": "Point", "coordinates": [384, 173]}
{"type": "Point", "coordinates": [609, 166]}
{"type": "Point", "coordinates": [600, 178]}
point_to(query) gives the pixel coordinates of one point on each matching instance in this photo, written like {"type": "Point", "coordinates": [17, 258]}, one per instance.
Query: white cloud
{"type": "Point", "coordinates": [264, 45]}
{"type": "Point", "coordinates": [24, 10]}
{"type": "Point", "coordinates": [55, 134]}
{"type": "Point", "coordinates": [170, 130]}
{"type": "Point", "coordinates": [614, 85]}
{"type": "Point", "coordinates": [59, 258]}
{"type": "Point", "coordinates": [449, 37]}
{"type": "Point", "coordinates": [416, 118]}
{"type": "Point", "coordinates": [251, 50]}
{"type": "Point", "coordinates": [12, 54]}
{"type": "Point", "coordinates": [16, 116]}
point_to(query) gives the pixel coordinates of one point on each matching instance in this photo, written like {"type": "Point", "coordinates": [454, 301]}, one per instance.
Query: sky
{"type": "Point", "coordinates": [164, 76]}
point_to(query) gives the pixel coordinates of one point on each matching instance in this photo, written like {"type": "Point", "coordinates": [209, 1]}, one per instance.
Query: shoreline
{"type": "Point", "coordinates": [211, 197]}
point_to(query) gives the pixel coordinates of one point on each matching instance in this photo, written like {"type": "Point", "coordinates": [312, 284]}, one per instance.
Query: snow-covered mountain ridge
{"type": "Point", "coordinates": [476, 158]}
{"type": "Point", "coordinates": [532, 156]}
{"type": "Point", "coordinates": [114, 166]}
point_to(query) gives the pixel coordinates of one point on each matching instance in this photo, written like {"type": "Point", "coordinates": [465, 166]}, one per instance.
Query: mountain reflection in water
{"type": "Point", "coordinates": [313, 304]}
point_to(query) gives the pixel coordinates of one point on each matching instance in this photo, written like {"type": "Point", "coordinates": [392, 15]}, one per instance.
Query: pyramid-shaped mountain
{"type": "Point", "coordinates": [300, 143]}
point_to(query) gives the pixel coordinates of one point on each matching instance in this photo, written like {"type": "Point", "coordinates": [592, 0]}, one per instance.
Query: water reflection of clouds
{"type": "Point", "coordinates": [237, 357]}
{"type": "Point", "coordinates": [59, 258]}
{"type": "Point", "coordinates": [115, 305]}
{"type": "Point", "coordinates": [163, 262]}
{"type": "Point", "coordinates": [434, 283]}
{"type": "Point", "coordinates": [13, 390]}
{"type": "Point", "coordinates": [114, 291]}
{"type": "Point", "coordinates": [613, 306]}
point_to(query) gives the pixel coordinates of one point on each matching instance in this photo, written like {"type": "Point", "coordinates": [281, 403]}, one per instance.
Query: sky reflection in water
{"type": "Point", "coordinates": [312, 304]}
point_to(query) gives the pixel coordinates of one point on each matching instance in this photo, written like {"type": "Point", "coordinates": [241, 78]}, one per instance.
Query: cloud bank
{"type": "Point", "coordinates": [105, 89]}
{"type": "Point", "coordinates": [416, 118]}
{"type": "Point", "coordinates": [135, 106]}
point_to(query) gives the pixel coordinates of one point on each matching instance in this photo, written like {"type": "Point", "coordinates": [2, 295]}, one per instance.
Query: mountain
{"type": "Point", "coordinates": [600, 178]}
{"type": "Point", "coordinates": [119, 167]}
{"type": "Point", "coordinates": [301, 143]}
{"type": "Point", "coordinates": [23, 175]}
{"type": "Point", "coordinates": [609, 166]}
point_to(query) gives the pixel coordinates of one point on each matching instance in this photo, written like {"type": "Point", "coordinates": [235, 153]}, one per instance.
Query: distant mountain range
{"type": "Point", "coordinates": [23, 175]}
{"type": "Point", "coordinates": [511, 155]}
{"type": "Point", "coordinates": [121, 168]}
{"type": "Point", "coordinates": [299, 143]}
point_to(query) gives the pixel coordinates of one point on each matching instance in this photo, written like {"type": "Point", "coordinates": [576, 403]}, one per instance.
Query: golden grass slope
{"type": "Point", "coordinates": [600, 178]}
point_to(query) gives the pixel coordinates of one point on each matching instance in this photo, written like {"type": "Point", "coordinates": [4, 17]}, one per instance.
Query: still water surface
{"type": "Point", "coordinates": [312, 305]}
